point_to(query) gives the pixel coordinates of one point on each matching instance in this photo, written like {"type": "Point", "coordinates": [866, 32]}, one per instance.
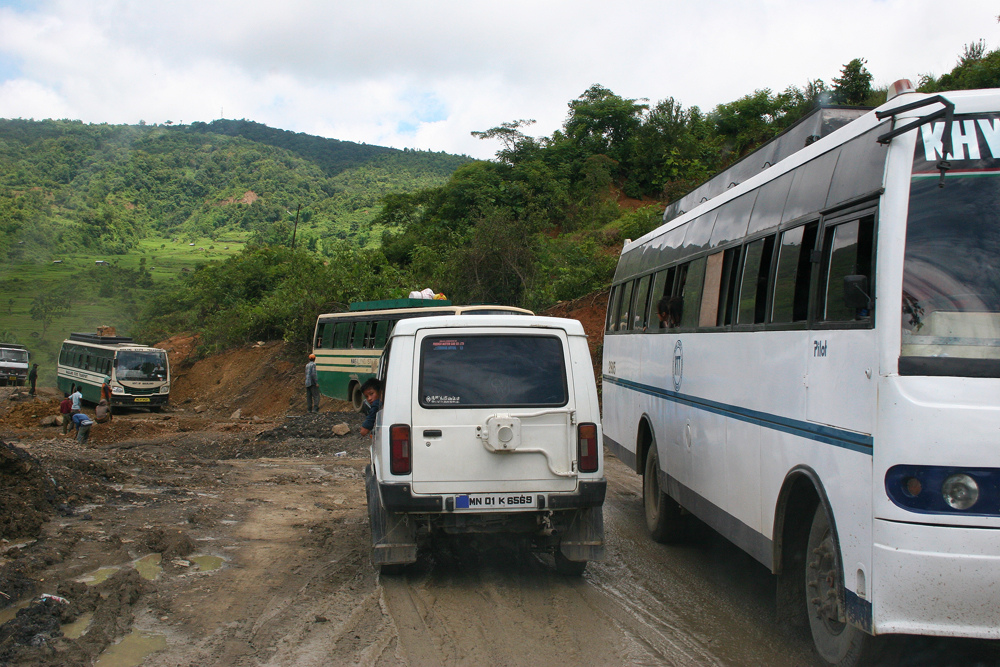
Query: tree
{"type": "Point", "coordinates": [46, 307]}
{"type": "Point", "coordinates": [601, 122]}
{"type": "Point", "coordinates": [854, 84]}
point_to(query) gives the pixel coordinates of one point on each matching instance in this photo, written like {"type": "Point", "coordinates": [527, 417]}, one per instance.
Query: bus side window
{"type": "Point", "coordinates": [847, 250]}
{"type": "Point", "coordinates": [690, 291]}
{"type": "Point", "coordinates": [86, 364]}
{"type": "Point", "coordinates": [319, 334]}
{"type": "Point", "coordinates": [610, 322]}
{"type": "Point", "coordinates": [358, 335]}
{"type": "Point", "coordinates": [727, 286]}
{"type": "Point", "coordinates": [713, 287]}
{"type": "Point", "coordinates": [381, 333]}
{"type": "Point", "coordinates": [370, 335]}
{"type": "Point", "coordinates": [340, 335]}
{"type": "Point", "coordinates": [328, 335]}
{"type": "Point", "coordinates": [792, 275]}
{"type": "Point", "coordinates": [753, 288]}
{"type": "Point", "coordinates": [641, 309]}
{"type": "Point", "coordinates": [624, 305]}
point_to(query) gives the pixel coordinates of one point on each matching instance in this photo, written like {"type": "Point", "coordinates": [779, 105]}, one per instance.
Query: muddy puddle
{"type": "Point", "coordinates": [77, 628]}
{"type": "Point", "coordinates": [132, 650]}
{"type": "Point", "coordinates": [98, 576]}
{"type": "Point", "coordinates": [11, 611]}
{"type": "Point", "coordinates": [207, 563]}
{"type": "Point", "coordinates": [149, 567]}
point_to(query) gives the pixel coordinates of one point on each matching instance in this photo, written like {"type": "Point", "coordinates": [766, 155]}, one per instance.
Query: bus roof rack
{"type": "Point", "coordinates": [14, 345]}
{"type": "Point", "coordinates": [386, 304]}
{"type": "Point", "coordinates": [101, 340]}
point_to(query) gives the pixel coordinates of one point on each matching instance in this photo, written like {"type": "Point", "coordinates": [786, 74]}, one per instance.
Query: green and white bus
{"type": "Point", "coordinates": [140, 375]}
{"type": "Point", "coordinates": [348, 345]}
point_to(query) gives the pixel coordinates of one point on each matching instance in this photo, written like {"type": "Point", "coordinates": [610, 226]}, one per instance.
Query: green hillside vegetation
{"type": "Point", "coordinates": [544, 221]}
{"type": "Point", "coordinates": [166, 199]}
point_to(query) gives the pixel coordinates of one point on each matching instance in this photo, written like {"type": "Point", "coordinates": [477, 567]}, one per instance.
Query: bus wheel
{"type": "Point", "coordinates": [663, 515]}
{"type": "Point", "coordinates": [357, 398]}
{"type": "Point", "coordinates": [838, 643]}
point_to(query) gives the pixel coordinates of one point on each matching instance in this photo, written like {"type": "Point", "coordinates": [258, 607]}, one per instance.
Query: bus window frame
{"type": "Point", "coordinates": [841, 217]}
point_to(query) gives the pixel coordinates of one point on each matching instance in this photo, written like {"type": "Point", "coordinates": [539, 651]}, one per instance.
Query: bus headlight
{"type": "Point", "coordinates": [165, 389]}
{"type": "Point", "coordinates": [117, 390]}
{"type": "Point", "coordinates": [960, 491]}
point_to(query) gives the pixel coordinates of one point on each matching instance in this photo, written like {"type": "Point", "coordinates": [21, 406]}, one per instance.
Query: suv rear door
{"type": "Point", "coordinates": [491, 411]}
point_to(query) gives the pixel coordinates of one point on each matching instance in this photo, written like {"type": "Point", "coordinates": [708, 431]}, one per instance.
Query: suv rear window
{"type": "Point", "coordinates": [484, 371]}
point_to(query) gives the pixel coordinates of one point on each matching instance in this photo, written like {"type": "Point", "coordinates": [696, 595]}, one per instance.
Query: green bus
{"type": "Point", "coordinates": [348, 345]}
{"type": "Point", "coordinates": [140, 375]}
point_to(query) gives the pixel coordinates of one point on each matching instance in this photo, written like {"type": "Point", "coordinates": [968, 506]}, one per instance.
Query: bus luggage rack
{"type": "Point", "coordinates": [100, 340]}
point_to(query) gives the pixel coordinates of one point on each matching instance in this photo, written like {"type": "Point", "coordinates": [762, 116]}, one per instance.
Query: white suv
{"type": "Point", "coordinates": [489, 424]}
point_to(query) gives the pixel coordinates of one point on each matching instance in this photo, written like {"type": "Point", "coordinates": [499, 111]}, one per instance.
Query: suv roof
{"type": "Point", "coordinates": [410, 326]}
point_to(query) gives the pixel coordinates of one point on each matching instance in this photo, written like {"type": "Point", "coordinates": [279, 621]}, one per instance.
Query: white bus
{"type": "Point", "coordinates": [140, 375]}
{"type": "Point", "coordinates": [826, 390]}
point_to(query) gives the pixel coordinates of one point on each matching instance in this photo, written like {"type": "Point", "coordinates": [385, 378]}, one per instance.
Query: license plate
{"type": "Point", "coordinates": [142, 400]}
{"type": "Point", "coordinates": [495, 501]}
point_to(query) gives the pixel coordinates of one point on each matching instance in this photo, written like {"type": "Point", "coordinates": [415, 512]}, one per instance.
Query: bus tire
{"type": "Point", "coordinates": [391, 569]}
{"type": "Point", "coordinates": [357, 398]}
{"type": "Point", "coordinates": [664, 517]}
{"type": "Point", "coordinates": [838, 643]}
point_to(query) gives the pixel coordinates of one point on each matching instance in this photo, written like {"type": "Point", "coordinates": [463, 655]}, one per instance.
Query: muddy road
{"type": "Point", "coordinates": [192, 539]}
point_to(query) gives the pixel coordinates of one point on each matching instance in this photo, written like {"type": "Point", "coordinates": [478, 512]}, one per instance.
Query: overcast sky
{"type": "Point", "coordinates": [425, 73]}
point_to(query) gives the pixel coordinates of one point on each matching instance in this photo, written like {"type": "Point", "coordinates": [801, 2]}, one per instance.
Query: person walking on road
{"type": "Point", "coordinates": [82, 423]}
{"type": "Point", "coordinates": [75, 398]}
{"type": "Point", "coordinates": [312, 385]}
{"type": "Point", "coordinates": [106, 396]}
{"type": "Point", "coordinates": [66, 410]}
{"type": "Point", "coordinates": [33, 378]}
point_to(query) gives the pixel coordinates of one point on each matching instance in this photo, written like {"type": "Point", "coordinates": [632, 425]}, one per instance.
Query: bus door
{"type": "Point", "coordinates": [842, 361]}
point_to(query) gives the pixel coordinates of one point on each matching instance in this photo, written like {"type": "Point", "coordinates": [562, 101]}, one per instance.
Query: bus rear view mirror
{"type": "Point", "coordinates": [856, 292]}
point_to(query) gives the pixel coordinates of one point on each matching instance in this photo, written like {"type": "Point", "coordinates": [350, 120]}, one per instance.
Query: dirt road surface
{"type": "Point", "coordinates": [194, 538]}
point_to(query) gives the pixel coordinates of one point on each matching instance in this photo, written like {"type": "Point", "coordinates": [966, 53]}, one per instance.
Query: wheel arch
{"type": "Point", "coordinates": [801, 493]}
{"type": "Point", "coordinates": [645, 439]}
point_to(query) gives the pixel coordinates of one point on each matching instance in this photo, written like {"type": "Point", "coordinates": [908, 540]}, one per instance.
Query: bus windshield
{"type": "Point", "coordinates": [14, 355]}
{"type": "Point", "coordinates": [951, 273]}
{"type": "Point", "coordinates": [141, 365]}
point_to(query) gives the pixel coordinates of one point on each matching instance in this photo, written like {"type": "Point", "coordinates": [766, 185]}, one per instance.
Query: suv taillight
{"type": "Point", "coordinates": [399, 449]}
{"type": "Point", "coordinates": [586, 443]}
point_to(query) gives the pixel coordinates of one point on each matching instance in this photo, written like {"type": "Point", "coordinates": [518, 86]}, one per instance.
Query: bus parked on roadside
{"type": "Point", "coordinates": [827, 396]}
{"type": "Point", "coordinates": [348, 345]}
{"type": "Point", "coordinates": [140, 375]}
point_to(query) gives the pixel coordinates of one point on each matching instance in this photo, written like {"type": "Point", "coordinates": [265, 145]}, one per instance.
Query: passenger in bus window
{"type": "Point", "coordinates": [372, 391]}
{"type": "Point", "coordinates": [669, 311]}
{"type": "Point", "coordinates": [312, 385]}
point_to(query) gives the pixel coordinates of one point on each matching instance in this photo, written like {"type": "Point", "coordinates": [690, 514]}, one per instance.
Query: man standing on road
{"type": "Point", "coordinates": [82, 423]}
{"type": "Point", "coordinates": [66, 410]}
{"type": "Point", "coordinates": [312, 385]}
{"type": "Point", "coordinates": [75, 398]}
{"type": "Point", "coordinates": [106, 395]}
{"type": "Point", "coordinates": [372, 391]}
{"type": "Point", "coordinates": [33, 378]}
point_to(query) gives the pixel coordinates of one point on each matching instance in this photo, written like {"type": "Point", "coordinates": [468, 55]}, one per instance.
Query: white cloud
{"type": "Point", "coordinates": [425, 74]}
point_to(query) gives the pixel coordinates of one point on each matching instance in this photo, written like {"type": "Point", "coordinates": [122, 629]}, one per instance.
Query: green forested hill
{"type": "Point", "coordinates": [65, 185]}
{"type": "Point", "coordinates": [158, 201]}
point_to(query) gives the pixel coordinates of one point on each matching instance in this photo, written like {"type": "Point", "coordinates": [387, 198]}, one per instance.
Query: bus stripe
{"type": "Point", "coordinates": [829, 435]}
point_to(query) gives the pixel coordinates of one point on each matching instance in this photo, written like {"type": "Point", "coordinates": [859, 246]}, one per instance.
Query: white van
{"type": "Point", "coordinates": [489, 424]}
